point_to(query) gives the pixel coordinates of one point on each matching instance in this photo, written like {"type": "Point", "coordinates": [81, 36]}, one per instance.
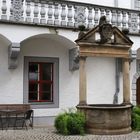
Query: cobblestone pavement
{"type": "Point", "coordinates": [50, 134]}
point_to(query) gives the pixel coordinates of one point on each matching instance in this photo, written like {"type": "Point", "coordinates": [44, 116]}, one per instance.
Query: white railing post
{"type": "Point", "coordinates": [119, 20]}
{"type": "Point", "coordinates": [56, 13]}
{"type": "Point", "coordinates": [114, 18]}
{"type": "Point", "coordinates": [69, 16]}
{"type": "Point", "coordinates": [4, 10]}
{"type": "Point", "coordinates": [96, 16]}
{"type": "Point", "coordinates": [102, 12]}
{"type": "Point", "coordinates": [124, 21]}
{"type": "Point", "coordinates": [90, 17]}
{"type": "Point", "coordinates": [36, 12]}
{"type": "Point", "coordinates": [11, 11]}
{"type": "Point", "coordinates": [107, 15]}
{"type": "Point", "coordinates": [50, 13]}
{"type": "Point", "coordinates": [63, 15]}
{"type": "Point", "coordinates": [28, 11]}
{"type": "Point", "coordinates": [43, 13]}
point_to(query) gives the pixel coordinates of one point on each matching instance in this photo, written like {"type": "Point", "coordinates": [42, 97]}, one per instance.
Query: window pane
{"type": "Point", "coordinates": [47, 71]}
{"type": "Point", "coordinates": [32, 96]}
{"type": "Point", "coordinates": [33, 90]}
{"type": "Point", "coordinates": [33, 71]}
{"type": "Point", "coordinates": [46, 93]}
{"type": "Point", "coordinates": [46, 96]}
{"type": "Point", "coordinates": [33, 87]}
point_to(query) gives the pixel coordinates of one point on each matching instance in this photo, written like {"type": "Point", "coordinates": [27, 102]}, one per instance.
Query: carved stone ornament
{"type": "Point", "coordinates": [17, 9]}
{"type": "Point", "coordinates": [133, 23]}
{"type": "Point", "coordinates": [74, 59]}
{"type": "Point", "coordinates": [13, 53]}
{"type": "Point", "coordinates": [105, 30]}
{"type": "Point", "coordinates": [80, 15]}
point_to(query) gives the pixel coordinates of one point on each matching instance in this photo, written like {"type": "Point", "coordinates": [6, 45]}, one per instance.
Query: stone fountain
{"type": "Point", "coordinates": [105, 118]}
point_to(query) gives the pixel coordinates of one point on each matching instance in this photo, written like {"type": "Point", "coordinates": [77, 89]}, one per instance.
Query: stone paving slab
{"type": "Point", "coordinates": [50, 134]}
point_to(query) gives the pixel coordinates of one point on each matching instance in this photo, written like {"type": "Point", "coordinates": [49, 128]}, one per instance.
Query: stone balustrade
{"type": "Point", "coordinates": [66, 14]}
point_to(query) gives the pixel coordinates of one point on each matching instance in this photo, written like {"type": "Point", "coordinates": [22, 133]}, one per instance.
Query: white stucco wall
{"type": "Point", "coordinates": [100, 75]}
{"type": "Point", "coordinates": [68, 81]}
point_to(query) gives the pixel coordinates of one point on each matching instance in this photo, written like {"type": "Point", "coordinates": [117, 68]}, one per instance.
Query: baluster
{"type": "Point", "coordinates": [50, 13]}
{"type": "Point", "coordinates": [75, 17]}
{"type": "Point", "coordinates": [114, 18]}
{"type": "Point", "coordinates": [129, 21]}
{"type": "Point", "coordinates": [102, 12]}
{"type": "Point", "coordinates": [56, 14]}
{"type": "Point", "coordinates": [42, 13]}
{"type": "Point", "coordinates": [90, 17]}
{"type": "Point", "coordinates": [96, 17]}
{"type": "Point", "coordinates": [36, 12]}
{"type": "Point", "coordinates": [63, 15]}
{"type": "Point", "coordinates": [4, 10]}
{"type": "Point", "coordinates": [119, 20]}
{"type": "Point", "coordinates": [28, 11]}
{"type": "Point", "coordinates": [124, 21]}
{"type": "Point", "coordinates": [107, 15]}
{"type": "Point", "coordinates": [11, 11]}
{"type": "Point", "coordinates": [69, 16]}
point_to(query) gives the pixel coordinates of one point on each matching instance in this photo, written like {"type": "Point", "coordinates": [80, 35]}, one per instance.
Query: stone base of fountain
{"type": "Point", "coordinates": [107, 119]}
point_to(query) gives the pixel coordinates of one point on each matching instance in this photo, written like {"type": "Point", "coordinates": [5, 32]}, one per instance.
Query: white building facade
{"type": "Point", "coordinates": [37, 54]}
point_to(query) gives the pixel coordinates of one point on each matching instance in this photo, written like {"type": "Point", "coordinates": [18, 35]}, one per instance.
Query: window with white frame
{"type": "Point", "coordinates": [41, 81]}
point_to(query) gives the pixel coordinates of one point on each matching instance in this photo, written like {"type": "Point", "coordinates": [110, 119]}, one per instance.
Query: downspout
{"type": "Point", "coordinates": [117, 80]}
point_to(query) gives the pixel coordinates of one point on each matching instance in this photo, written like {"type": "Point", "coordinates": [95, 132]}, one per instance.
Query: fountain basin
{"type": "Point", "coordinates": [107, 119]}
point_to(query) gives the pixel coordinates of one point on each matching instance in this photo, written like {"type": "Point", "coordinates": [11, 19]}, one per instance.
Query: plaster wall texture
{"type": "Point", "coordinates": [99, 75]}
{"type": "Point", "coordinates": [68, 81]}
{"type": "Point", "coordinates": [18, 33]}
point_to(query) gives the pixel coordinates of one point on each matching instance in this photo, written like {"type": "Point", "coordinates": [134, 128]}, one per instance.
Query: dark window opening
{"type": "Point", "coordinates": [40, 82]}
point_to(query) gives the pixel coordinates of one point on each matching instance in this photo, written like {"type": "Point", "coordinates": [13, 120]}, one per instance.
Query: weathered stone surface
{"type": "Point", "coordinates": [107, 119]}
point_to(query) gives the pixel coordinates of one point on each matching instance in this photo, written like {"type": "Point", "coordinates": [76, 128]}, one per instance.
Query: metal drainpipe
{"type": "Point", "coordinates": [117, 81]}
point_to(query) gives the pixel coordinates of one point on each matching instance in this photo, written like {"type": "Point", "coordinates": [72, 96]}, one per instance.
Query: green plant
{"type": "Point", "coordinates": [70, 123]}
{"type": "Point", "coordinates": [136, 118]}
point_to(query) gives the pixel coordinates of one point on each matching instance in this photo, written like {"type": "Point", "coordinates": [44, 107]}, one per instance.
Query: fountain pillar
{"type": "Point", "coordinates": [82, 82]}
{"type": "Point", "coordinates": [126, 81]}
